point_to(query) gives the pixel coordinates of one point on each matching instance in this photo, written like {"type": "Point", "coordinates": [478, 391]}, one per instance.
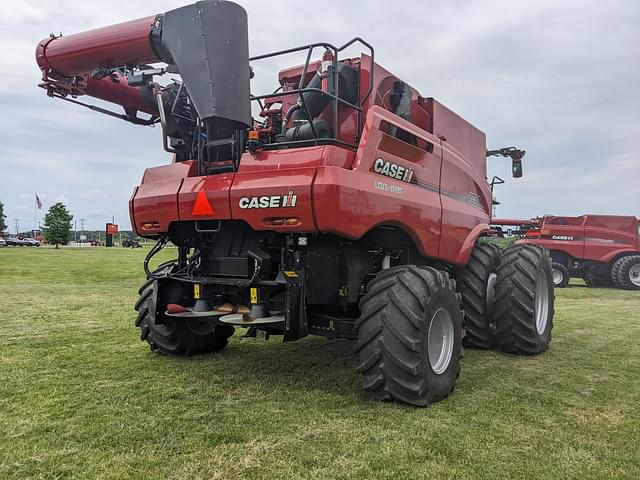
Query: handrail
{"type": "Point", "coordinates": [333, 95]}
{"type": "Point", "coordinates": [163, 123]}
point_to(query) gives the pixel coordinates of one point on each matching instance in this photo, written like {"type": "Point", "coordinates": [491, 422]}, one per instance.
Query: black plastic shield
{"type": "Point", "coordinates": [208, 42]}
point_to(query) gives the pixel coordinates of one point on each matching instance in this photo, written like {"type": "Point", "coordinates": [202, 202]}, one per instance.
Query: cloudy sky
{"type": "Point", "coordinates": [560, 79]}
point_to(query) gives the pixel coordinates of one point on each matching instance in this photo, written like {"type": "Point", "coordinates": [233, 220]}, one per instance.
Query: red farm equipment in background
{"type": "Point", "coordinates": [601, 249]}
{"type": "Point", "coordinates": [352, 207]}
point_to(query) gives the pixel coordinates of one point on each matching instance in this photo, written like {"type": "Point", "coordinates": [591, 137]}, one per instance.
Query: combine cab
{"type": "Point", "coordinates": [350, 207]}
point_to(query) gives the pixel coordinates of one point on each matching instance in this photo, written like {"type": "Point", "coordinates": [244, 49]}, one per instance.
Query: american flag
{"type": "Point", "coordinates": [38, 202]}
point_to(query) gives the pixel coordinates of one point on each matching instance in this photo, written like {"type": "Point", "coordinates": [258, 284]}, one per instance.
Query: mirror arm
{"type": "Point", "coordinates": [516, 158]}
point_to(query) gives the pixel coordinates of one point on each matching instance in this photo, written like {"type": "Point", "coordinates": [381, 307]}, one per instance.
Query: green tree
{"type": "Point", "coordinates": [57, 224]}
{"type": "Point", "coordinates": [3, 225]}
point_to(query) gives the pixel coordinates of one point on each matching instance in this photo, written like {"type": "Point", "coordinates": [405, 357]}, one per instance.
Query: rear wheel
{"type": "Point", "coordinates": [560, 275]}
{"type": "Point", "coordinates": [175, 336]}
{"type": "Point", "coordinates": [477, 286]}
{"type": "Point", "coordinates": [625, 272]}
{"type": "Point", "coordinates": [410, 335]}
{"type": "Point", "coordinates": [524, 300]}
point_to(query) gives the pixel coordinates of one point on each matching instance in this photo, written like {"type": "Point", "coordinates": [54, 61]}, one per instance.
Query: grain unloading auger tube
{"type": "Point", "coordinates": [206, 43]}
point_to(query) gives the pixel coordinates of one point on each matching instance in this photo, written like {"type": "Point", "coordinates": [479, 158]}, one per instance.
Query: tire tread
{"type": "Point", "coordinates": [472, 284]}
{"type": "Point", "coordinates": [174, 337]}
{"type": "Point", "coordinates": [620, 272]}
{"type": "Point", "coordinates": [391, 334]}
{"type": "Point", "coordinates": [515, 299]}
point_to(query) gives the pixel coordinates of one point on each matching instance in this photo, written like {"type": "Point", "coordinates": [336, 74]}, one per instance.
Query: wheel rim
{"type": "Point", "coordinates": [440, 341]}
{"type": "Point", "coordinates": [541, 300]}
{"type": "Point", "coordinates": [634, 274]}
{"type": "Point", "coordinates": [557, 276]}
{"type": "Point", "coordinates": [491, 293]}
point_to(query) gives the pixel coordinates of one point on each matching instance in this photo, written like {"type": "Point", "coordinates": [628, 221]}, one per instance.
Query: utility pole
{"type": "Point", "coordinates": [75, 231]}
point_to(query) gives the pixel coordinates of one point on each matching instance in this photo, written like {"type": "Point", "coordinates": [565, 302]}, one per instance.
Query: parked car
{"type": "Point", "coordinates": [3, 242]}
{"type": "Point", "coordinates": [31, 242]}
{"type": "Point", "coordinates": [127, 243]}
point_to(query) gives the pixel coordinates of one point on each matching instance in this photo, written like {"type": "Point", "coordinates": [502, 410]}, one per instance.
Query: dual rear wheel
{"type": "Point", "coordinates": [410, 332]}
{"type": "Point", "coordinates": [625, 272]}
{"type": "Point", "coordinates": [505, 294]}
{"type": "Point", "coordinates": [524, 302]}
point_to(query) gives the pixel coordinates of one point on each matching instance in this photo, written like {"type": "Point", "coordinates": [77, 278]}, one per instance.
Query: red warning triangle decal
{"type": "Point", "coordinates": [202, 205]}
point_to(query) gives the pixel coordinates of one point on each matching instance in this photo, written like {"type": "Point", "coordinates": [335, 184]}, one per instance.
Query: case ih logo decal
{"type": "Point", "coordinates": [562, 237]}
{"type": "Point", "coordinates": [273, 201]}
{"type": "Point", "coordinates": [393, 170]}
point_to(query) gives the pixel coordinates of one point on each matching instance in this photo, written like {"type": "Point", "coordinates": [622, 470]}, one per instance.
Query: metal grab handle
{"type": "Point", "coordinates": [163, 123]}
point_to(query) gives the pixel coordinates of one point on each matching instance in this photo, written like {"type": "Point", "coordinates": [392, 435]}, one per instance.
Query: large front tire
{"type": "Point", "coordinates": [524, 300]}
{"type": "Point", "coordinates": [410, 335]}
{"type": "Point", "coordinates": [176, 337]}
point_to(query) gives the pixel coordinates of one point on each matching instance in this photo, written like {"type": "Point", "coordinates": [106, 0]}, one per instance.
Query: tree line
{"type": "Point", "coordinates": [57, 225]}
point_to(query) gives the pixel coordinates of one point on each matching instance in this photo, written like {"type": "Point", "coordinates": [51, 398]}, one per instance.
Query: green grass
{"type": "Point", "coordinates": [82, 397]}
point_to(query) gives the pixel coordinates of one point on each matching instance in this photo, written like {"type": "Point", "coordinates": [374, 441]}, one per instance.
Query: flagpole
{"type": "Point", "coordinates": [35, 210]}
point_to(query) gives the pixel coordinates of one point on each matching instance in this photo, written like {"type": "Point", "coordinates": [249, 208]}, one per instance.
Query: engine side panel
{"type": "Point", "coordinates": [608, 236]}
{"type": "Point", "coordinates": [351, 202]}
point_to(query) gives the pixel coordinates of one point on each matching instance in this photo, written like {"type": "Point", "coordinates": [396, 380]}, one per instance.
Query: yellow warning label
{"type": "Point", "coordinates": [254, 295]}
{"type": "Point", "coordinates": [196, 291]}
{"type": "Point", "coordinates": [290, 274]}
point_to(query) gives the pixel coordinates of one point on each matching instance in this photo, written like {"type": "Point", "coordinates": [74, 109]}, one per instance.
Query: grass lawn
{"type": "Point", "coordinates": [81, 396]}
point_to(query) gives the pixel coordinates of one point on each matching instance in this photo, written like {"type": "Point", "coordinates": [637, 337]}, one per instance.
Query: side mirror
{"type": "Point", "coordinates": [516, 167]}
{"type": "Point", "coordinates": [516, 157]}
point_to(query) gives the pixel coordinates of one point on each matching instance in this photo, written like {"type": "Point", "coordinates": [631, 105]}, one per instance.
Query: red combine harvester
{"type": "Point", "coordinates": [601, 249]}
{"type": "Point", "coordinates": [353, 208]}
